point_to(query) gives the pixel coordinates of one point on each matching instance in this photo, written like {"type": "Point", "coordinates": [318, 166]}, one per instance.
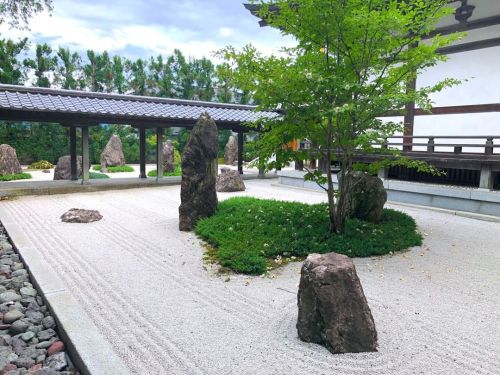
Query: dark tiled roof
{"type": "Point", "coordinates": [49, 101]}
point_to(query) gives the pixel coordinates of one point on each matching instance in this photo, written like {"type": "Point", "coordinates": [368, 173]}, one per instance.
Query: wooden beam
{"type": "Point", "coordinates": [470, 25]}
{"type": "Point", "coordinates": [142, 153]}
{"type": "Point", "coordinates": [159, 154]}
{"type": "Point", "coordinates": [85, 155]}
{"type": "Point", "coordinates": [451, 110]}
{"type": "Point", "coordinates": [73, 153]}
{"type": "Point", "coordinates": [471, 46]}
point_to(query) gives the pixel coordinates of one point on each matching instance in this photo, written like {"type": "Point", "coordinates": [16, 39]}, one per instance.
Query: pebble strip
{"type": "Point", "coordinates": [29, 343]}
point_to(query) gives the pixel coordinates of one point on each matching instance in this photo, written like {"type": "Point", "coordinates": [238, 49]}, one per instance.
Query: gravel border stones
{"type": "Point", "coordinates": [29, 343]}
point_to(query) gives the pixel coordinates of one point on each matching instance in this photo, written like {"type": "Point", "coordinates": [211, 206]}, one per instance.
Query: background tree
{"type": "Point", "coordinates": [18, 12]}
{"type": "Point", "coordinates": [12, 70]}
{"type": "Point", "coordinates": [352, 62]}
{"type": "Point", "coordinates": [68, 69]}
{"type": "Point", "coordinates": [43, 65]}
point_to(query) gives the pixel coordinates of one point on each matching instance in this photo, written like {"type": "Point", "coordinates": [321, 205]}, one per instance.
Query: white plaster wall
{"type": "Point", "coordinates": [481, 69]}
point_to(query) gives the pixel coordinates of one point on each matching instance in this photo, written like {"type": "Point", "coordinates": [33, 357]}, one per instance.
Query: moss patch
{"type": "Point", "coordinates": [13, 177]}
{"type": "Point", "coordinates": [251, 235]}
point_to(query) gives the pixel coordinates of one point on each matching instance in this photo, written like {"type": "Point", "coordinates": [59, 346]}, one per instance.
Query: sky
{"type": "Point", "coordinates": [135, 28]}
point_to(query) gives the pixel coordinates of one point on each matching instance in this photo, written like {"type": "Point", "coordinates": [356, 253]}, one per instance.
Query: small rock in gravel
{"type": "Point", "coordinates": [35, 368]}
{"type": "Point", "coordinates": [17, 266]}
{"type": "Point", "coordinates": [57, 361]}
{"type": "Point", "coordinates": [12, 316]}
{"type": "Point", "coordinates": [35, 328]}
{"type": "Point", "coordinates": [4, 326]}
{"type": "Point", "coordinates": [78, 215]}
{"type": "Point", "coordinates": [28, 291]}
{"type": "Point", "coordinates": [45, 344]}
{"type": "Point", "coordinates": [18, 345]}
{"type": "Point", "coordinates": [46, 371]}
{"type": "Point", "coordinates": [9, 368]}
{"type": "Point", "coordinates": [46, 334]}
{"type": "Point", "coordinates": [19, 272]}
{"type": "Point", "coordinates": [34, 317]}
{"type": "Point", "coordinates": [25, 362]}
{"type": "Point", "coordinates": [56, 347]}
{"type": "Point", "coordinates": [19, 326]}
{"type": "Point", "coordinates": [9, 296]}
{"type": "Point", "coordinates": [6, 261]}
{"type": "Point", "coordinates": [27, 336]}
{"type": "Point", "coordinates": [41, 358]}
{"type": "Point", "coordinates": [39, 300]}
{"type": "Point", "coordinates": [26, 301]}
{"type": "Point", "coordinates": [5, 246]}
{"type": "Point", "coordinates": [49, 322]}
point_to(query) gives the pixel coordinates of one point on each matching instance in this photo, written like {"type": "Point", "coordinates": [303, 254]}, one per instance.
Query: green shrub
{"type": "Point", "coordinates": [177, 172]}
{"type": "Point", "coordinates": [119, 168]}
{"type": "Point", "coordinates": [248, 234]}
{"type": "Point", "coordinates": [13, 177]}
{"type": "Point", "coordinates": [42, 164]}
{"type": "Point", "coordinates": [97, 176]}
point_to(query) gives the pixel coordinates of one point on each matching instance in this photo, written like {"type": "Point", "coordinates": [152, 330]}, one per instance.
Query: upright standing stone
{"type": "Point", "coordinates": [333, 311]}
{"type": "Point", "coordinates": [168, 156]}
{"type": "Point", "coordinates": [112, 155]}
{"type": "Point", "coordinates": [368, 197]}
{"type": "Point", "coordinates": [231, 151]}
{"type": "Point", "coordinates": [62, 170]}
{"type": "Point", "coordinates": [199, 174]}
{"type": "Point", "coordinates": [8, 160]}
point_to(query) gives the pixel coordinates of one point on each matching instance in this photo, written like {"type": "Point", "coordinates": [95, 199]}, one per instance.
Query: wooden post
{"type": "Point", "coordinates": [430, 144]}
{"type": "Point", "coordinates": [142, 153]}
{"type": "Point", "coordinates": [73, 153]}
{"type": "Point", "coordinates": [159, 153]}
{"type": "Point", "coordinates": [85, 155]}
{"type": "Point", "coordinates": [488, 148]}
{"type": "Point", "coordinates": [240, 151]}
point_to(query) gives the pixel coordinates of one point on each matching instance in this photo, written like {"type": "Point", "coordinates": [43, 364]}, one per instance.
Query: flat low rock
{"type": "Point", "coordinates": [333, 310]}
{"type": "Point", "coordinates": [229, 181]}
{"type": "Point", "coordinates": [78, 215]}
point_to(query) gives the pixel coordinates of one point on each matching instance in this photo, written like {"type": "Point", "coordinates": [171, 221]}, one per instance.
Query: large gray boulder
{"type": "Point", "coordinates": [199, 174]}
{"type": "Point", "coordinates": [62, 170]}
{"type": "Point", "coordinates": [333, 311]}
{"type": "Point", "coordinates": [112, 155]}
{"type": "Point", "coordinates": [368, 197]}
{"type": "Point", "coordinates": [231, 151]}
{"type": "Point", "coordinates": [229, 181]}
{"type": "Point", "coordinates": [168, 156]}
{"type": "Point", "coordinates": [8, 160]}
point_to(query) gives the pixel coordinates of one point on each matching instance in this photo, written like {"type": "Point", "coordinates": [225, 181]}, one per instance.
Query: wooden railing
{"type": "Point", "coordinates": [408, 143]}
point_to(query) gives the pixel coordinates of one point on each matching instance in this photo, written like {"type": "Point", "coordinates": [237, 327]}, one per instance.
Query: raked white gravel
{"type": "Point", "coordinates": [147, 289]}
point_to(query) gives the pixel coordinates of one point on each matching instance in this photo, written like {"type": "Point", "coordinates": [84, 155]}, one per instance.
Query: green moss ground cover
{"type": "Point", "coordinates": [177, 172]}
{"type": "Point", "coordinates": [248, 234]}
{"type": "Point", "coordinates": [97, 176]}
{"type": "Point", "coordinates": [13, 177]}
{"type": "Point", "coordinates": [120, 168]}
